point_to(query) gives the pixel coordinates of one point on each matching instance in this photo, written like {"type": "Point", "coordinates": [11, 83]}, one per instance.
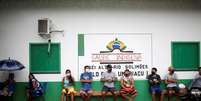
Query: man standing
{"type": "Point", "coordinates": [86, 84]}
{"type": "Point", "coordinates": [108, 78]}
{"type": "Point", "coordinates": [154, 82]}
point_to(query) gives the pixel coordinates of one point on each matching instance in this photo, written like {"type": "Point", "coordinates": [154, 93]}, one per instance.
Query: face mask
{"type": "Point", "coordinates": [68, 74]}
{"type": "Point", "coordinates": [153, 72]}
{"type": "Point", "coordinates": [110, 70]}
{"type": "Point", "coordinates": [126, 74]}
{"type": "Point", "coordinates": [87, 70]}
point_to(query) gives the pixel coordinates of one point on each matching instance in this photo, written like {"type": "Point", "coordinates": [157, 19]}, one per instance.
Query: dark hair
{"type": "Point", "coordinates": [70, 77]}
{"type": "Point", "coordinates": [199, 68]}
{"type": "Point", "coordinates": [154, 68]}
{"type": "Point", "coordinates": [30, 80]}
{"type": "Point", "coordinates": [109, 66]}
{"type": "Point", "coordinates": [31, 74]}
{"type": "Point", "coordinates": [86, 66]}
{"type": "Point", "coordinates": [127, 70]}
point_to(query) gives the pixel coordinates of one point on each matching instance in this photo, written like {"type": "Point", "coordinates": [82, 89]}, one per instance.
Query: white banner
{"type": "Point", "coordinates": [122, 51]}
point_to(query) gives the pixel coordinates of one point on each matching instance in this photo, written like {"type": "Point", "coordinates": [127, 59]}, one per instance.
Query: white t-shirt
{"type": "Point", "coordinates": [109, 76]}
{"type": "Point", "coordinates": [171, 77]}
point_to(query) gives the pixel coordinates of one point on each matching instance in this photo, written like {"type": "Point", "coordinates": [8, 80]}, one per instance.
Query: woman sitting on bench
{"type": "Point", "coordinates": [67, 85]}
{"type": "Point", "coordinates": [127, 87]}
{"type": "Point", "coordinates": [34, 89]}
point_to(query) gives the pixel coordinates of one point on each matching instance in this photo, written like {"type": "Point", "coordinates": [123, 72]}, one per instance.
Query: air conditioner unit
{"type": "Point", "coordinates": [44, 27]}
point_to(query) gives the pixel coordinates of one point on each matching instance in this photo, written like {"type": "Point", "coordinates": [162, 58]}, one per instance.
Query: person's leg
{"type": "Point", "coordinates": [176, 92]}
{"type": "Point", "coordinates": [62, 96]}
{"type": "Point", "coordinates": [72, 96]}
{"type": "Point", "coordinates": [171, 94]}
{"type": "Point", "coordinates": [103, 95]}
{"type": "Point", "coordinates": [64, 93]}
{"type": "Point", "coordinates": [153, 95]}
{"type": "Point", "coordinates": [124, 94]}
{"type": "Point", "coordinates": [89, 94]}
{"type": "Point", "coordinates": [83, 94]}
{"type": "Point", "coordinates": [157, 92]}
{"type": "Point", "coordinates": [28, 94]}
{"type": "Point", "coordinates": [133, 95]}
{"type": "Point", "coordinates": [104, 92]}
{"type": "Point", "coordinates": [177, 98]}
{"type": "Point", "coordinates": [163, 94]}
{"type": "Point", "coordinates": [114, 93]}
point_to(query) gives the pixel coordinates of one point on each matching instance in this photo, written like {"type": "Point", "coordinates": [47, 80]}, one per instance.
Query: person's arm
{"type": "Point", "coordinates": [122, 83]}
{"type": "Point", "coordinates": [103, 78]}
{"type": "Point", "coordinates": [114, 78]}
{"type": "Point", "coordinates": [158, 79]}
{"type": "Point", "coordinates": [132, 83]}
{"type": "Point", "coordinates": [86, 81]}
{"type": "Point", "coordinates": [149, 79]}
{"type": "Point", "coordinates": [73, 81]}
{"type": "Point", "coordinates": [166, 80]}
{"type": "Point", "coordinates": [34, 83]}
{"type": "Point", "coordinates": [14, 83]}
{"type": "Point", "coordinates": [62, 83]}
{"type": "Point", "coordinates": [174, 80]}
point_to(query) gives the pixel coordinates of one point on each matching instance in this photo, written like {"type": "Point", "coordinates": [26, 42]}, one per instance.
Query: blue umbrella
{"type": "Point", "coordinates": [10, 65]}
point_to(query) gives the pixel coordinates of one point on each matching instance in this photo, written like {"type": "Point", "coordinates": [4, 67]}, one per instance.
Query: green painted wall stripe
{"type": "Point", "coordinates": [80, 44]}
{"type": "Point", "coordinates": [53, 92]}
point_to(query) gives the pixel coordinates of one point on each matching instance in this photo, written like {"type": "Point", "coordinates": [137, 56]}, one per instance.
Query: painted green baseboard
{"type": "Point", "coordinates": [54, 90]}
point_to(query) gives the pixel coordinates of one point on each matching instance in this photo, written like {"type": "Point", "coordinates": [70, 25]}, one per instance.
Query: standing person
{"type": "Point", "coordinates": [86, 84]}
{"type": "Point", "coordinates": [171, 82]}
{"type": "Point", "coordinates": [67, 85]}
{"type": "Point", "coordinates": [127, 86]}
{"type": "Point", "coordinates": [154, 83]}
{"type": "Point", "coordinates": [108, 78]}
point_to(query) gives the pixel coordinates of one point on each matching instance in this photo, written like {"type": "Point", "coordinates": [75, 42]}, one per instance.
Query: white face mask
{"type": "Point", "coordinates": [68, 74]}
{"type": "Point", "coordinates": [87, 70]}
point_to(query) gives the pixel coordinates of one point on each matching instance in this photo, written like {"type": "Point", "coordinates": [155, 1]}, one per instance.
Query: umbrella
{"type": "Point", "coordinates": [10, 65]}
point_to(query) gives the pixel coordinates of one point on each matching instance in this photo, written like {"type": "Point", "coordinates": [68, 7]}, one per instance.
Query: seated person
{"type": "Point", "coordinates": [67, 86]}
{"type": "Point", "coordinates": [154, 83]}
{"type": "Point", "coordinates": [108, 78]}
{"type": "Point", "coordinates": [86, 84]}
{"type": "Point", "coordinates": [127, 87]}
{"type": "Point", "coordinates": [34, 88]}
{"type": "Point", "coordinates": [8, 87]}
{"type": "Point", "coordinates": [195, 86]}
{"type": "Point", "coordinates": [171, 82]}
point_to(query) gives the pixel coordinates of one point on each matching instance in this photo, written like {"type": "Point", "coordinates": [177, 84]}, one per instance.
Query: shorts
{"type": "Point", "coordinates": [84, 91]}
{"type": "Point", "coordinates": [131, 91]}
{"type": "Point", "coordinates": [68, 90]}
{"type": "Point", "coordinates": [155, 90]}
{"type": "Point", "coordinates": [175, 89]}
{"type": "Point", "coordinates": [108, 89]}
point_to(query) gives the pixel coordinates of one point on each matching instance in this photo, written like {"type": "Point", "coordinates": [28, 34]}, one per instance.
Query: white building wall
{"type": "Point", "coordinates": [167, 21]}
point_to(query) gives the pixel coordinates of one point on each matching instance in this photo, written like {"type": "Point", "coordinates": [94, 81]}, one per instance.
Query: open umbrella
{"type": "Point", "coordinates": [10, 65]}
